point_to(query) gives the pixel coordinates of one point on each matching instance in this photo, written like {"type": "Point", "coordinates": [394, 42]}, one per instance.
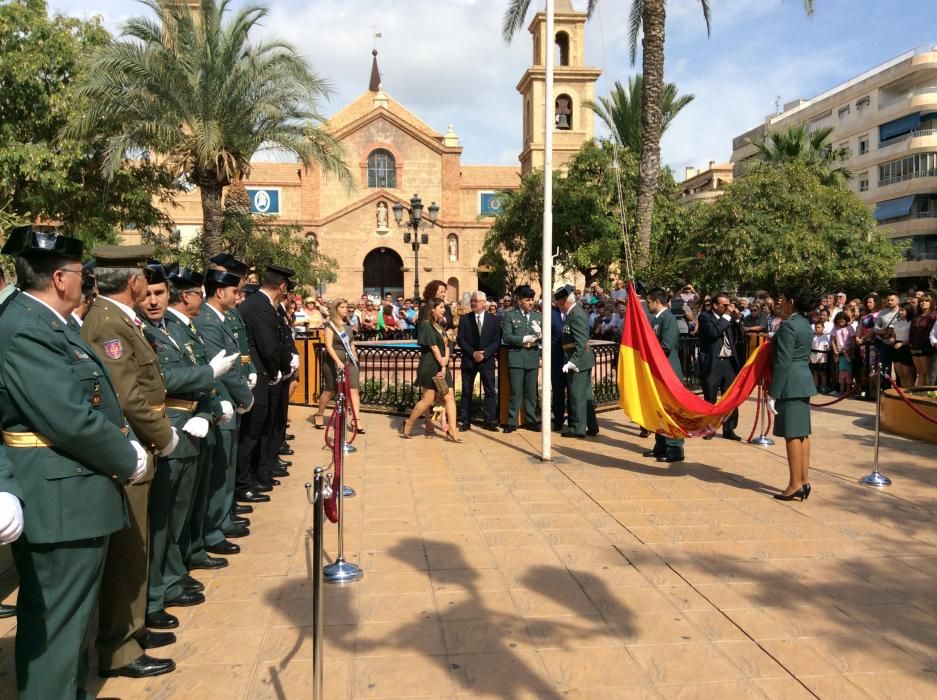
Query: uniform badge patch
{"type": "Point", "coordinates": [113, 349]}
{"type": "Point", "coordinates": [81, 355]}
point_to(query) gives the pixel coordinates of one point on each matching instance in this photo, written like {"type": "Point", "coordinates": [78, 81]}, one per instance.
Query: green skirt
{"type": "Point", "coordinates": [793, 419]}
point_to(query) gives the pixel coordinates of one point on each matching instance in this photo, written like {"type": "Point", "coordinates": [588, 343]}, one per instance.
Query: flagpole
{"type": "Point", "coordinates": [546, 265]}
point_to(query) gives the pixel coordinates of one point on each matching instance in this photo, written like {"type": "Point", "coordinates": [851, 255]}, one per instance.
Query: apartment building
{"type": "Point", "coordinates": [887, 118]}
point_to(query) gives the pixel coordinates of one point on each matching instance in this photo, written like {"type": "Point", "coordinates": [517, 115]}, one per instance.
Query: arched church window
{"type": "Point", "coordinates": [382, 169]}
{"type": "Point", "coordinates": [453, 247]}
{"type": "Point", "coordinates": [562, 48]}
{"type": "Point", "coordinates": [564, 112]}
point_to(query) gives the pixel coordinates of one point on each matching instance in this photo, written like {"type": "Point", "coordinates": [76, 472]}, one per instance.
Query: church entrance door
{"type": "Point", "coordinates": [383, 273]}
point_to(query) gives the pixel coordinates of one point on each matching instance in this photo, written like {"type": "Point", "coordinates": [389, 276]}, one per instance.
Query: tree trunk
{"type": "Point", "coordinates": [211, 191]}
{"type": "Point", "coordinates": [652, 66]}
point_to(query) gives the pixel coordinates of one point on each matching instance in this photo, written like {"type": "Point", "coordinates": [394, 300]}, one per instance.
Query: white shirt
{"type": "Point", "coordinates": [933, 336]}
{"type": "Point", "coordinates": [218, 313]}
{"type": "Point", "coordinates": [60, 317]}
{"type": "Point", "coordinates": [77, 319]}
{"type": "Point", "coordinates": [181, 316]}
{"type": "Point", "coordinates": [131, 314]}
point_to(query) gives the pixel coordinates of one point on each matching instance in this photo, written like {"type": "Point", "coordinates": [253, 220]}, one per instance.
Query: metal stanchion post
{"type": "Point", "coordinates": [319, 494]}
{"type": "Point", "coordinates": [876, 478]}
{"type": "Point", "coordinates": [763, 440]}
{"type": "Point", "coordinates": [341, 571]}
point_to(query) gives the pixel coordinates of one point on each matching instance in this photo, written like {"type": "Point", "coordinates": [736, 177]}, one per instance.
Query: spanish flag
{"type": "Point", "coordinates": [654, 397]}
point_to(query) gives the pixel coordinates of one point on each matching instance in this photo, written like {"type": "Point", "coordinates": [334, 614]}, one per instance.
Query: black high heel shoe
{"type": "Point", "coordinates": [799, 494]}
{"type": "Point", "coordinates": [806, 489]}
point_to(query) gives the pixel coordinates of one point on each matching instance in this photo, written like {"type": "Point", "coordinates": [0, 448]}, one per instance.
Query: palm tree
{"type": "Point", "coordinates": [621, 110]}
{"type": "Point", "coordinates": [648, 16]}
{"type": "Point", "coordinates": [191, 88]}
{"type": "Point", "coordinates": [798, 144]}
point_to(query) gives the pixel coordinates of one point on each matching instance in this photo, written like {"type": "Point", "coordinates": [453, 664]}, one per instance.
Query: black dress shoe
{"type": "Point", "coordinates": [233, 533]}
{"type": "Point", "coordinates": [465, 427]}
{"type": "Point", "coordinates": [238, 521]}
{"type": "Point", "coordinates": [7, 610]}
{"type": "Point", "coordinates": [509, 428]}
{"type": "Point", "coordinates": [290, 437]}
{"type": "Point", "coordinates": [571, 434]}
{"type": "Point", "coordinates": [191, 584]}
{"type": "Point", "coordinates": [643, 433]}
{"type": "Point", "coordinates": [285, 451]}
{"type": "Point", "coordinates": [670, 458]}
{"type": "Point", "coordinates": [557, 427]}
{"type": "Point", "coordinates": [799, 494]}
{"type": "Point", "coordinates": [492, 426]}
{"type": "Point", "coordinates": [281, 472]}
{"type": "Point", "coordinates": [209, 563]}
{"type": "Point", "coordinates": [242, 510]}
{"type": "Point", "coordinates": [535, 427]}
{"type": "Point", "coordinates": [730, 435]}
{"type": "Point", "coordinates": [186, 599]}
{"type": "Point", "coordinates": [283, 463]}
{"type": "Point", "coordinates": [284, 445]}
{"type": "Point", "coordinates": [142, 667]}
{"type": "Point", "coordinates": [154, 640]}
{"type": "Point", "coordinates": [262, 489]}
{"type": "Point", "coordinates": [251, 496]}
{"type": "Point", "coordinates": [161, 620]}
{"type": "Point", "coordinates": [224, 547]}
{"type": "Point", "coordinates": [652, 453]}
{"type": "Point", "coordinates": [592, 432]}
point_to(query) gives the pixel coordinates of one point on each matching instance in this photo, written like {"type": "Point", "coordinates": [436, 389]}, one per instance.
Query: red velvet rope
{"type": "Point", "coordinates": [904, 397]}
{"type": "Point", "coordinates": [337, 426]}
{"type": "Point", "coordinates": [345, 389]}
{"type": "Point", "coordinates": [852, 390]}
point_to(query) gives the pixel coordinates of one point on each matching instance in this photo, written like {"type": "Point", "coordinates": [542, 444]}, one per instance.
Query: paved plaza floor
{"type": "Point", "coordinates": [601, 574]}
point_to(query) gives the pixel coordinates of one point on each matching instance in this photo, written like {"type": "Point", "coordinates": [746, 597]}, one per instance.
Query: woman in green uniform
{"type": "Point", "coordinates": [340, 353]}
{"type": "Point", "coordinates": [433, 373]}
{"type": "Point", "coordinates": [792, 386]}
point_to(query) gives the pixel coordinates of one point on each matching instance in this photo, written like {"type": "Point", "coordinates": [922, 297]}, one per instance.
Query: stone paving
{"type": "Point", "coordinates": [598, 575]}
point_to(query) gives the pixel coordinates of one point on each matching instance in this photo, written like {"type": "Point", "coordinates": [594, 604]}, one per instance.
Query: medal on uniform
{"type": "Point", "coordinates": [96, 395]}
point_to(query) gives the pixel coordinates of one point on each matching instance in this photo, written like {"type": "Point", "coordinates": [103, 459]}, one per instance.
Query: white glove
{"type": "Point", "coordinates": [252, 380]}
{"type": "Point", "coordinates": [222, 364]}
{"type": "Point", "coordinates": [196, 427]}
{"type": "Point", "coordinates": [528, 339]}
{"type": "Point", "coordinates": [294, 362]}
{"type": "Point", "coordinates": [277, 380]}
{"type": "Point", "coordinates": [11, 518]}
{"type": "Point", "coordinates": [244, 409]}
{"type": "Point", "coordinates": [227, 412]}
{"type": "Point", "coordinates": [536, 327]}
{"type": "Point", "coordinates": [771, 409]}
{"type": "Point", "coordinates": [570, 367]}
{"type": "Point", "coordinates": [173, 443]}
{"type": "Point", "coordinates": [142, 458]}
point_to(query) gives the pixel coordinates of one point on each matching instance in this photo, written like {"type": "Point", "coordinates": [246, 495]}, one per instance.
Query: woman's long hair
{"type": "Point", "coordinates": [333, 312]}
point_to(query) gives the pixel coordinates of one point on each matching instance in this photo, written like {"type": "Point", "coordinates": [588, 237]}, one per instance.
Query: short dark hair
{"type": "Point", "coordinates": [659, 294]}
{"type": "Point", "coordinates": [34, 272]}
{"type": "Point", "coordinates": [211, 288]}
{"type": "Point", "coordinates": [272, 280]}
{"type": "Point", "coordinates": [803, 298]}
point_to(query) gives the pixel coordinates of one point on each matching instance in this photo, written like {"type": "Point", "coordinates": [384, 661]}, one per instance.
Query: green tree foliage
{"type": "Point", "coordinates": [784, 225]}
{"type": "Point", "coordinates": [259, 241]}
{"type": "Point", "coordinates": [620, 111]}
{"type": "Point", "coordinates": [798, 144]}
{"type": "Point", "coordinates": [206, 98]}
{"type": "Point", "coordinates": [43, 175]}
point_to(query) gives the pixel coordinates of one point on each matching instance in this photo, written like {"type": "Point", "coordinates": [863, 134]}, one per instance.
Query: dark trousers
{"type": "Point", "coordinates": [487, 373]}
{"type": "Point", "coordinates": [59, 585]}
{"type": "Point", "coordinates": [192, 539]}
{"type": "Point", "coordinates": [252, 426]}
{"type": "Point", "coordinates": [669, 447]}
{"type": "Point", "coordinates": [582, 402]}
{"type": "Point", "coordinates": [561, 400]}
{"type": "Point", "coordinates": [719, 379]}
{"type": "Point", "coordinates": [171, 495]}
{"type": "Point", "coordinates": [271, 437]}
{"type": "Point", "coordinates": [220, 487]}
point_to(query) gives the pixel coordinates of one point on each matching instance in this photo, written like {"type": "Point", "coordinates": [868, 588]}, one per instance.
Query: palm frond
{"type": "Point", "coordinates": [635, 18]}
{"type": "Point", "coordinates": [514, 18]}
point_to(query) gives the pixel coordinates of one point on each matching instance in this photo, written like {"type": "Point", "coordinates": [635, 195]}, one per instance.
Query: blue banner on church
{"type": "Point", "coordinates": [264, 201]}
{"type": "Point", "coordinates": [489, 204]}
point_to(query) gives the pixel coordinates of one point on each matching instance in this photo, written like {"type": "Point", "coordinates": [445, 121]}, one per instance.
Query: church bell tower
{"type": "Point", "coordinates": [574, 83]}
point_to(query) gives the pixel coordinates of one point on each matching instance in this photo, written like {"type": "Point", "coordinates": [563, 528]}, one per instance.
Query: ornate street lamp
{"type": "Point", "coordinates": [412, 231]}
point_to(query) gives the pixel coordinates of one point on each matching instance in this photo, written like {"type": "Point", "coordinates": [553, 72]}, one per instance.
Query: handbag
{"type": "Point", "coordinates": [442, 388]}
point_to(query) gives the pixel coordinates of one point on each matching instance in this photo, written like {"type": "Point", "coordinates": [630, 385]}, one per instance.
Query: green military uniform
{"type": "Point", "coordinates": [665, 327]}
{"type": "Point", "coordinates": [523, 362]}
{"type": "Point", "coordinates": [188, 387]}
{"type": "Point", "coordinates": [575, 343]}
{"type": "Point", "coordinates": [791, 381]}
{"type": "Point", "coordinates": [67, 441]}
{"type": "Point", "coordinates": [117, 339]}
{"type": "Point", "coordinates": [234, 323]}
{"type": "Point", "coordinates": [231, 387]}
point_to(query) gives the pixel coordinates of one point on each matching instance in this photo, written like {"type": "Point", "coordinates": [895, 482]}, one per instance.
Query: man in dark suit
{"type": "Point", "coordinates": [664, 325]}
{"type": "Point", "coordinates": [479, 337]}
{"type": "Point", "coordinates": [254, 469]}
{"type": "Point", "coordinates": [560, 388]}
{"type": "Point", "coordinates": [719, 331]}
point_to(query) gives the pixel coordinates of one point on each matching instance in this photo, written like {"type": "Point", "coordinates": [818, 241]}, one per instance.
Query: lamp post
{"type": "Point", "coordinates": [412, 231]}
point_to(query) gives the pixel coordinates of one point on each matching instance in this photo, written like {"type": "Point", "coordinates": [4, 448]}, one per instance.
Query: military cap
{"type": "Point", "coordinates": [249, 289]}
{"type": "Point", "coordinates": [155, 273]}
{"type": "Point", "coordinates": [525, 291]}
{"type": "Point", "coordinates": [282, 271]}
{"type": "Point", "coordinates": [88, 280]}
{"type": "Point", "coordinates": [221, 278]}
{"type": "Point", "coordinates": [123, 256]}
{"type": "Point", "coordinates": [185, 278]}
{"type": "Point", "coordinates": [29, 240]}
{"type": "Point", "coordinates": [563, 292]}
{"type": "Point", "coordinates": [290, 284]}
{"type": "Point", "coordinates": [230, 263]}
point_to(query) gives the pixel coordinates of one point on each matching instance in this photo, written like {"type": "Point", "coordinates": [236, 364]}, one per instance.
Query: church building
{"type": "Point", "coordinates": [394, 156]}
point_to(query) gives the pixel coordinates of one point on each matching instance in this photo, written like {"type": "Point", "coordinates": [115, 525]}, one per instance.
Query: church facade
{"type": "Point", "coordinates": [393, 155]}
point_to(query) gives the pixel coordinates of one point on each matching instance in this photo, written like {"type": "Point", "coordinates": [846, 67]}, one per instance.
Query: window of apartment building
{"type": "Point", "coordinates": [921, 247]}
{"type": "Point", "coordinates": [382, 169]}
{"type": "Point", "coordinates": [863, 179]}
{"type": "Point", "coordinates": [863, 144]}
{"type": "Point", "coordinates": [919, 165]}
{"type": "Point", "coordinates": [844, 152]}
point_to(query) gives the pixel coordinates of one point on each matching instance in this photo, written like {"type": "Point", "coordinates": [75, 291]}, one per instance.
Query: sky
{"type": "Point", "coordinates": [445, 60]}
